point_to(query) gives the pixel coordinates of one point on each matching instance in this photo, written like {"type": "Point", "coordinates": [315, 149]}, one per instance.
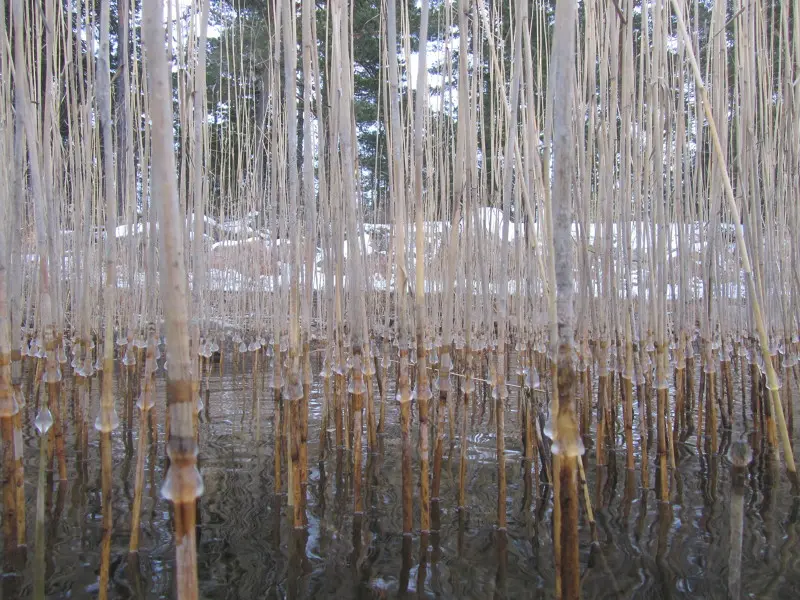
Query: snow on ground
{"type": "Point", "coordinates": [241, 257]}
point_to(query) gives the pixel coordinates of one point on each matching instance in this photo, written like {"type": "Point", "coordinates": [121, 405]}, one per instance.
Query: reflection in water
{"type": "Point", "coordinates": [740, 456]}
{"type": "Point", "coordinates": [105, 544]}
{"type": "Point", "coordinates": [248, 547]}
{"type": "Point", "coordinates": [501, 540]}
{"type": "Point", "coordinates": [297, 564]}
{"type": "Point", "coordinates": [405, 565]}
{"type": "Point", "coordinates": [39, 556]}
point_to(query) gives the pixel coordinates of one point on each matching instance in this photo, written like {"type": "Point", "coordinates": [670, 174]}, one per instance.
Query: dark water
{"type": "Point", "coordinates": [248, 549]}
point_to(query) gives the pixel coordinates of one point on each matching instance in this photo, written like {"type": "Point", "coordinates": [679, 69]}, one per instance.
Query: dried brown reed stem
{"type": "Point", "coordinates": [469, 387]}
{"type": "Point", "coordinates": [303, 426]}
{"type": "Point", "coordinates": [338, 404]}
{"type": "Point", "coordinates": [256, 399]}
{"type": "Point", "coordinates": [326, 408]}
{"type": "Point", "coordinates": [39, 533]}
{"type": "Point", "coordinates": [398, 199]}
{"type": "Point", "coordinates": [357, 402]}
{"type": "Point", "coordinates": [9, 409]}
{"type": "Point", "coordinates": [293, 442]}
{"type": "Point", "coordinates": [183, 483]}
{"type": "Point", "coordinates": [372, 428]}
{"type": "Point", "coordinates": [9, 491]}
{"type": "Point", "coordinates": [602, 411]}
{"type": "Point", "coordinates": [404, 391]}
{"type": "Point", "coordinates": [680, 388]}
{"type": "Point", "coordinates": [145, 405]}
{"type": "Point", "coordinates": [567, 445]}
{"type": "Point", "coordinates": [108, 523]}
{"type": "Point", "coordinates": [107, 420]}
{"type": "Point", "coordinates": [277, 429]}
{"type": "Point", "coordinates": [383, 383]}
{"type": "Point", "coordinates": [423, 391]}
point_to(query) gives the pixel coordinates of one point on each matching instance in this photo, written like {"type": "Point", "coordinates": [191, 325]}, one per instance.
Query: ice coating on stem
{"type": "Point", "coordinates": [107, 420]}
{"type": "Point", "coordinates": [43, 421]}
{"type": "Point", "coordinates": [740, 454]}
{"type": "Point", "coordinates": [145, 401]}
{"type": "Point", "coordinates": [52, 376]}
{"type": "Point", "coordinates": [566, 438]}
{"type": "Point", "coordinates": [183, 476]}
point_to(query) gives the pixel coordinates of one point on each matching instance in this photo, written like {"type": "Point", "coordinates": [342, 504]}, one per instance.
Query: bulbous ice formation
{"type": "Point", "coordinates": [43, 421]}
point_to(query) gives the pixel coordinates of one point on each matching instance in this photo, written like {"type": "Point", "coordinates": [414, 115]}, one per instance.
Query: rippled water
{"type": "Point", "coordinates": [248, 549]}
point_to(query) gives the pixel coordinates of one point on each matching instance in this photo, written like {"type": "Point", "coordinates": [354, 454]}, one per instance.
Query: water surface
{"type": "Point", "coordinates": [247, 547]}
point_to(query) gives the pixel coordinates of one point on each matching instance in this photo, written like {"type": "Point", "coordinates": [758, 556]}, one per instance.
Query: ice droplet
{"type": "Point", "coordinates": [145, 402]}
{"type": "Point", "coordinates": [532, 379]}
{"type": "Point", "coordinates": [356, 387]}
{"type": "Point", "coordinates": [190, 479]}
{"type": "Point", "coordinates": [113, 421]}
{"type": "Point", "coordinates": [548, 428]}
{"type": "Point", "coordinates": [43, 421]}
{"type": "Point", "coordinates": [53, 376]}
{"type": "Point", "coordinates": [129, 358]}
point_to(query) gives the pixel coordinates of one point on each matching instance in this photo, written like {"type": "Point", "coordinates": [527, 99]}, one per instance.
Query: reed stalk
{"type": "Point", "coordinates": [39, 531]}
{"type": "Point", "coordinates": [357, 392]}
{"type": "Point", "coordinates": [183, 483]}
{"type": "Point", "coordinates": [107, 421]}
{"type": "Point", "coordinates": [398, 199]}
{"type": "Point", "coordinates": [627, 396]}
{"type": "Point", "coordinates": [9, 409]}
{"type": "Point", "coordinates": [107, 510]}
{"type": "Point", "coordinates": [740, 455]}
{"type": "Point", "coordinates": [422, 391]}
{"type": "Point", "coordinates": [567, 446]}
{"type": "Point", "coordinates": [310, 81]}
{"type": "Point", "coordinates": [145, 404]}
{"type": "Point", "coordinates": [277, 429]}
